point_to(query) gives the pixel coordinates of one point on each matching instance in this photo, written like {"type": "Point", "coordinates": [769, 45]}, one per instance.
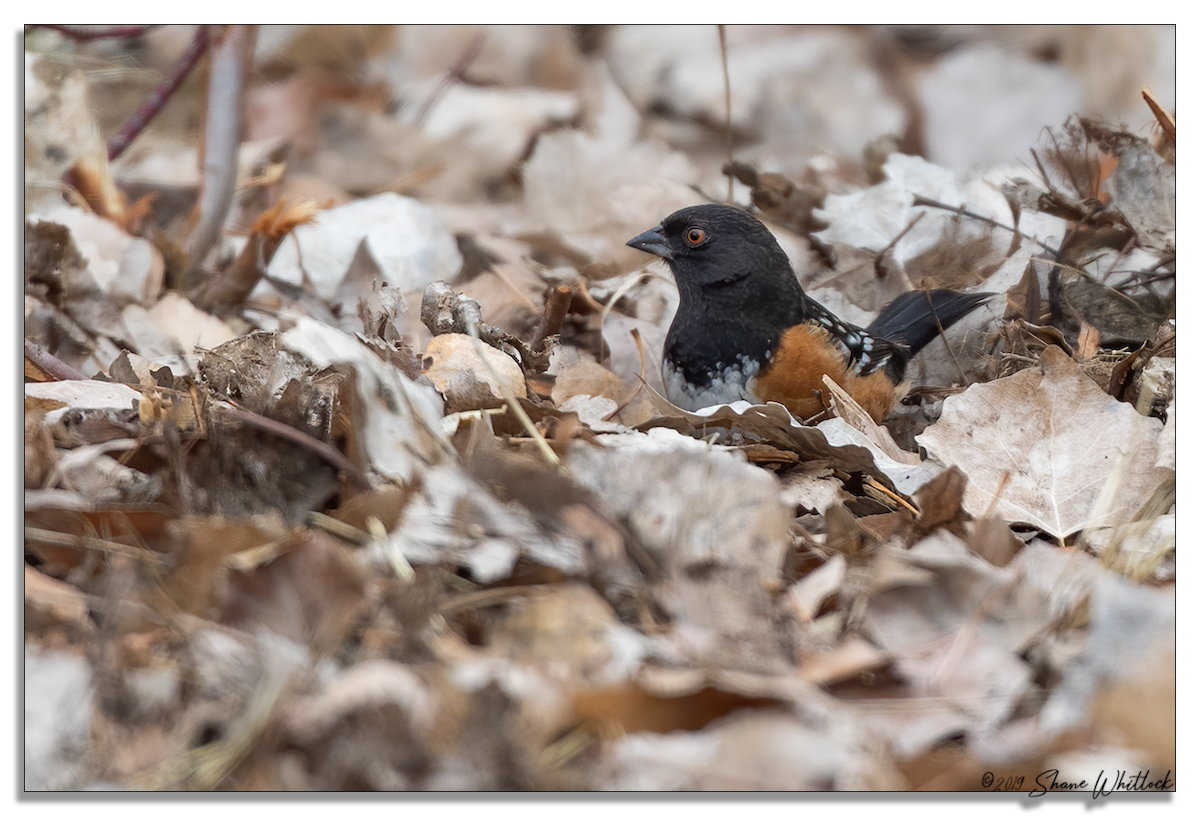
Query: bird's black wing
{"type": "Point", "coordinates": [867, 349]}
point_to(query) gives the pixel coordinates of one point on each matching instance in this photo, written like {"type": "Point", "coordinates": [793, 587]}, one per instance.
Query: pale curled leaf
{"type": "Point", "coordinates": [809, 593]}
{"type": "Point", "coordinates": [906, 476]}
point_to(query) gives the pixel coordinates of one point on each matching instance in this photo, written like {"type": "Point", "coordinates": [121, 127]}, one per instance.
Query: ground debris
{"type": "Point", "coordinates": [382, 493]}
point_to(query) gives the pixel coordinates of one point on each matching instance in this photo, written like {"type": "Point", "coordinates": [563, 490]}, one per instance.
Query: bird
{"type": "Point", "coordinates": [746, 330]}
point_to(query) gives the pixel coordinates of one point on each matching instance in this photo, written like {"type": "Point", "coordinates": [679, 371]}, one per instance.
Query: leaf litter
{"type": "Point", "coordinates": [381, 493]}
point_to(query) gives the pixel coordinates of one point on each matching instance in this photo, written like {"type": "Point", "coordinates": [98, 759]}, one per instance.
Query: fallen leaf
{"type": "Point", "coordinates": [49, 602]}
{"type": "Point", "coordinates": [1073, 457]}
{"type": "Point", "coordinates": [809, 593]}
{"type": "Point", "coordinates": [470, 374]}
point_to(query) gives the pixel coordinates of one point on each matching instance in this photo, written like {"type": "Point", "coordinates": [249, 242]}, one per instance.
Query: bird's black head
{"type": "Point", "coordinates": [737, 291]}
{"type": "Point", "coordinates": [721, 252]}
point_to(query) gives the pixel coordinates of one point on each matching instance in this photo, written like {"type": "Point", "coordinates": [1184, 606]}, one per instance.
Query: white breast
{"type": "Point", "coordinates": [728, 385]}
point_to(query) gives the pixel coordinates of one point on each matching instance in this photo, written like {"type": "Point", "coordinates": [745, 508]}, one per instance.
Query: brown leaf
{"type": "Point", "coordinates": [940, 502]}
{"type": "Point", "coordinates": [470, 374]}
{"type": "Point", "coordinates": [993, 539]}
{"type": "Point", "coordinates": [1025, 298]}
{"type": "Point", "coordinates": [631, 708]}
{"type": "Point", "coordinates": [311, 594]}
{"type": "Point", "coordinates": [91, 176]}
{"type": "Point", "coordinates": [204, 544]}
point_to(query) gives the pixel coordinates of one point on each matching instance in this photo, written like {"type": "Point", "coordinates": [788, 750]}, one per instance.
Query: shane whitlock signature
{"type": "Point", "coordinates": [1105, 783]}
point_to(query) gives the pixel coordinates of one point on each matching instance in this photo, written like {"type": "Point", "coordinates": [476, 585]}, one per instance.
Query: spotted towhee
{"type": "Point", "coordinates": [745, 329]}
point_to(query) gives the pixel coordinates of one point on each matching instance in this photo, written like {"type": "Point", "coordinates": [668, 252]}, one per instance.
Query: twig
{"type": "Point", "coordinates": [1015, 208]}
{"type": "Point", "coordinates": [340, 529]}
{"type": "Point", "coordinates": [1136, 280]}
{"type": "Point", "coordinates": [323, 449]}
{"type": "Point", "coordinates": [922, 201]}
{"type": "Point", "coordinates": [99, 34]}
{"type": "Point", "coordinates": [455, 74]}
{"type": "Point", "coordinates": [876, 261]}
{"type": "Point", "coordinates": [552, 316]}
{"type": "Point", "coordinates": [728, 107]}
{"type": "Point", "coordinates": [231, 52]}
{"type": "Point", "coordinates": [1054, 292]}
{"type": "Point", "coordinates": [874, 484]}
{"type": "Point", "coordinates": [942, 334]}
{"type": "Point", "coordinates": [162, 93]}
{"type": "Point", "coordinates": [880, 272]}
{"type": "Point", "coordinates": [47, 362]}
{"type": "Point", "coordinates": [1042, 174]}
{"type": "Point", "coordinates": [443, 311]}
{"type": "Point", "coordinates": [484, 597]}
{"type": "Point", "coordinates": [79, 542]}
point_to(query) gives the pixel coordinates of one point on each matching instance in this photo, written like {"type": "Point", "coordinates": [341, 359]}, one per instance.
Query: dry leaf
{"type": "Point", "coordinates": [367, 594]}
{"type": "Point", "coordinates": [1047, 447]}
{"type": "Point", "coordinates": [412, 246]}
{"type": "Point", "coordinates": [851, 658]}
{"type": "Point", "coordinates": [470, 374]}
{"type": "Point", "coordinates": [716, 564]}
{"type": "Point", "coordinates": [809, 593]}
{"type": "Point", "coordinates": [49, 602]}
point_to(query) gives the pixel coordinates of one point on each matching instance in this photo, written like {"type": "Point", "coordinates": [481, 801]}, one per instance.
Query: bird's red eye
{"type": "Point", "coordinates": [695, 236]}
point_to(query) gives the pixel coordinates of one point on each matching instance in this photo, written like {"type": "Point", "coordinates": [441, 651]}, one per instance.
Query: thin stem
{"type": "Point", "coordinates": [81, 35]}
{"type": "Point", "coordinates": [232, 51]}
{"type": "Point", "coordinates": [552, 316]}
{"type": "Point", "coordinates": [162, 93]}
{"type": "Point", "coordinates": [879, 270]}
{"type": "Point", "coordinates": [728, 107]}
{"type": "Point", "coordinates": [922, 201]}
{"type": "Point", "coordinates": [47, 362]}
{"type": "Point", "coordinates": [455, 74]}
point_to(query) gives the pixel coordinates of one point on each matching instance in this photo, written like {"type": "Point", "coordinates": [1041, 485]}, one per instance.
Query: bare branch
{"type": "Point", "coordinates": [161, 94]}
{"type": "Point", "coordinates": [83, 35]}
{"type": "Point", "coordinates": [47, 362]}
{"type": "Point", "coordinates": [231, 50]}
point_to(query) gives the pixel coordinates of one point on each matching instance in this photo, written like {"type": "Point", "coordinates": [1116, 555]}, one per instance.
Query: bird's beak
{"type": "Point", "coordinates": [652, 241]}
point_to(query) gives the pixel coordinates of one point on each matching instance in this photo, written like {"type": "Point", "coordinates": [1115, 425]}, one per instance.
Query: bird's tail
{"type": "Point", "coordinates": [914, 318]}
